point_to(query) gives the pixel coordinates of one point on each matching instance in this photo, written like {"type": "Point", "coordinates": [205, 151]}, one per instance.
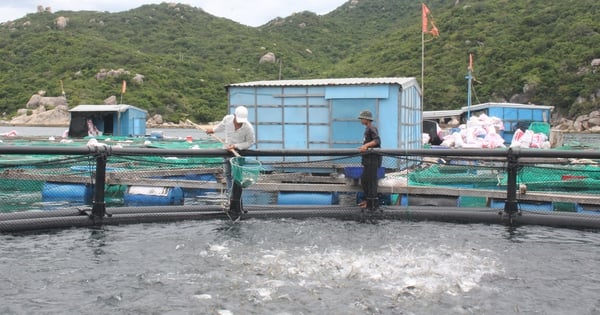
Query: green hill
{"type": "Point", "coordinates": [524, 51]}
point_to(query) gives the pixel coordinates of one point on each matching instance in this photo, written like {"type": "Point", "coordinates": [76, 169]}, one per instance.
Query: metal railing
{"type": "Point", "coordinates": [508, 161]}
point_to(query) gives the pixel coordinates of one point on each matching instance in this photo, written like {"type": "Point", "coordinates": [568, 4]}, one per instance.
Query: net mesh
{"type": "Point", "coordinates": [31, 182]}
{"type": "Point", "coordinates": [245, 171]}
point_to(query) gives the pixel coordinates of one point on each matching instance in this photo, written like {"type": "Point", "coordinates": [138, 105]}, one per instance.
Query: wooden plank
{"type": "Point", "coordinates": [183, 183]}
{"type": "Point", "coordinates": [305, 183]}
{"type": "Point", "coordinates": [165, 172]}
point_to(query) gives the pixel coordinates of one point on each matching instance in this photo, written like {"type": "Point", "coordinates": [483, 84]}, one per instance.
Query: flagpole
{"type": "Point", "coordinates": [422, 69]}
{"type": "Point", "coordinates": [469, 78]}
{"type": "Point", "coordinates": [425, 29]}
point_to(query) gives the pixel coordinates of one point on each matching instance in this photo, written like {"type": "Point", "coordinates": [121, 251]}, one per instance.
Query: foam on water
{"type": "Point", "coordinates": [396, 269]}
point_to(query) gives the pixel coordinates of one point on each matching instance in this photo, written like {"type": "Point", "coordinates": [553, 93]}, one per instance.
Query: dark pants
{"type": "Point", "coordinates": [235, 201]}
{"type": "Point", "coordinates": [368, 180]}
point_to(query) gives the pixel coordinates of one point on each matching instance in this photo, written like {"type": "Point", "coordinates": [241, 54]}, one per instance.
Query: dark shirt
{"type": "Point", "coordinates": [371, 133]}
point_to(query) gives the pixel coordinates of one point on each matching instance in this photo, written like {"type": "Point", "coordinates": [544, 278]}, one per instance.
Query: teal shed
{"type": "Point", "coordinates": [114, 120]}
{"type": "Point", "coordinates": [322, 113]}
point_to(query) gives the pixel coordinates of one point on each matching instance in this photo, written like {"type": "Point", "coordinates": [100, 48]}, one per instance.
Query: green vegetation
{"type": "Point", "coordinates": [187, 56]}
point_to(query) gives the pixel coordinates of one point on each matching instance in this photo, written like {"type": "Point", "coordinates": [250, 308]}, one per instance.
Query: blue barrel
{"type": "Point", "coordinates": [53, 191]}
{"type": "Point", "coordinates": [307, 198]}
{"type": "Point", "coordinates": [193, 192]}
{"type": "Point", "coordinates": [153, 196]}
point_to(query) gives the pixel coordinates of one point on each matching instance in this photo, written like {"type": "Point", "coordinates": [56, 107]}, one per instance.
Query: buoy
{"type": "Point", "coordinates": [53, 191]}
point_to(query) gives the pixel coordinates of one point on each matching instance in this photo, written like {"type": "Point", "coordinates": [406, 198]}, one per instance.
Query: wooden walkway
{"type": "Point", "coordinates": [284, 182]}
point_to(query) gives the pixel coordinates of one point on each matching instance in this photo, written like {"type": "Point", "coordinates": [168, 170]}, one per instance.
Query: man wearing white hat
{"type": "Point", "coordinates": [239, 135]}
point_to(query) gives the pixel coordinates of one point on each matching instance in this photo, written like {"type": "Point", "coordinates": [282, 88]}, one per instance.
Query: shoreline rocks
{"type": "Point", "coordinates": [58, 115]}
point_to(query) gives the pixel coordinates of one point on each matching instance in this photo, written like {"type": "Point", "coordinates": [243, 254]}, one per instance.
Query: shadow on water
{"type": "Point", "coordinates": [97, 241]}
{"type": "Point", "coordinates": [514, 234]}
{"type": "Point", "coordinates": [230, 229]}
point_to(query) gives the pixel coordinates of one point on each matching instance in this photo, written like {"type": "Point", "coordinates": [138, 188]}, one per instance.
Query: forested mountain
{"type": "Point", "coordinates": [541, 52]}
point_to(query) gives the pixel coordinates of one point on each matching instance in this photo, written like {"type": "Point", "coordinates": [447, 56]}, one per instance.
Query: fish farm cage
{"type": "Point", "coordinates": [54, 187]}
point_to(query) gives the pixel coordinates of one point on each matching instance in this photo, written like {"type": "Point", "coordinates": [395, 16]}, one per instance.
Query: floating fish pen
{"type": "Point", "coordinates": [92, 186]}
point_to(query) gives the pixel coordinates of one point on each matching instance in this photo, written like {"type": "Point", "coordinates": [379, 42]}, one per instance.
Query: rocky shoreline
{"type": "Point", "coordinates": [59, 116]}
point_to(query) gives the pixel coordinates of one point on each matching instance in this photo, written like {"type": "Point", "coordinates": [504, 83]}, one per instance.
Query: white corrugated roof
{"type": "Point", "coordinates": [103, 108]}
{"type": "Point", "coordinates": [457, 112]}
{"type": "Point", "coordinates": [433, 114]}
{"type": "Point", "coordinates": [339, 81]}
{"type": "Point", "coordinates": [506, 105]}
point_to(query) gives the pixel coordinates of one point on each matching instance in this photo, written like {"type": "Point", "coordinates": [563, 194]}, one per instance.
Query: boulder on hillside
{"type": "Point", "coordinates": [268, 58]}
{"type": "Point", "coordinates": [59, 116]}
{"type": "Point", "coordinates": [38, 100]}
{"type": "Point", "coordinates": [61, 22]}
{"type": "Point", "coordinates": [112, 100]}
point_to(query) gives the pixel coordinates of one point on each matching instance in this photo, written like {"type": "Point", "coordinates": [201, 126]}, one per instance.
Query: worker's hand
{"type": "Point", "coordinates": [231, 148]}
{"type": "Point", "coordinates": [363, 148]}
{"type": "Point", "coordinates": [209, 131]}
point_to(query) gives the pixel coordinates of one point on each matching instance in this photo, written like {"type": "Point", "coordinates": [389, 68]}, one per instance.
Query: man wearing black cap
{"type": "Point", "coordinates": [370, 161]}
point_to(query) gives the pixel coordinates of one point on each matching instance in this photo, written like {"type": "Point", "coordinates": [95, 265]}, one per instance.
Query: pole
{"type": "Point", "coordinates": [422, 69]}
{"type": "Point", "coordinates": [469, 78]}
{"type": "Point", "coordinates": [99, 205]}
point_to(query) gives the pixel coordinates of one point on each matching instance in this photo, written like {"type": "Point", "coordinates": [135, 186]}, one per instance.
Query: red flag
{"type": "Point", "coordinates": [424, 12]}
{"type": "Point", "coordinates": [425, 17]}
{"type": "Point", "coordinates": [471, 62]}
{"type": "Point", "coordinates": [124, 87]}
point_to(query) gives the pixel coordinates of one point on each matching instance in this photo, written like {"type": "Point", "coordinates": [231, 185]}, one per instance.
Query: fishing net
{"type": "Point", "coordinates": [245, 171]}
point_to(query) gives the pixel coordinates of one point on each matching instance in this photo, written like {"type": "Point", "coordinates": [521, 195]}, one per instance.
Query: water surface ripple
{"type": "Point", "coordinates": [316, 266]}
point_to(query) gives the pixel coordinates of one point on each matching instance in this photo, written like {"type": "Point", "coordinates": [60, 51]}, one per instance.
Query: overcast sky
{"type": "Point", "coordinates": [248, 12]}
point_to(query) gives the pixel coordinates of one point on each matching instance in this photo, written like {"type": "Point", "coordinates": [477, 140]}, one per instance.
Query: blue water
{"type": "Point", "coordinates": [26, 131]}
{"type": "Point", "coordinates": [316, 266]}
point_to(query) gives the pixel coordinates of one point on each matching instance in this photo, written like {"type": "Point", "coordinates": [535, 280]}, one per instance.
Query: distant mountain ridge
{"type": "Point", "coordinates": [524, 51]}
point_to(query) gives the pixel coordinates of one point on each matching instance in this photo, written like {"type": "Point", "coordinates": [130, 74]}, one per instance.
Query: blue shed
{"type": "Point", "coordinates": [513, 115]}
{"type": "Point", "coordinates": [114, 120]}
{"type": "Point", "coordinates": [322, 113]}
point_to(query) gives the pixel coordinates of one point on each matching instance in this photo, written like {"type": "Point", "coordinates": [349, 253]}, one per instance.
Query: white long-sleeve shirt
{"type": "Point", "coordinates": [242, 138]}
